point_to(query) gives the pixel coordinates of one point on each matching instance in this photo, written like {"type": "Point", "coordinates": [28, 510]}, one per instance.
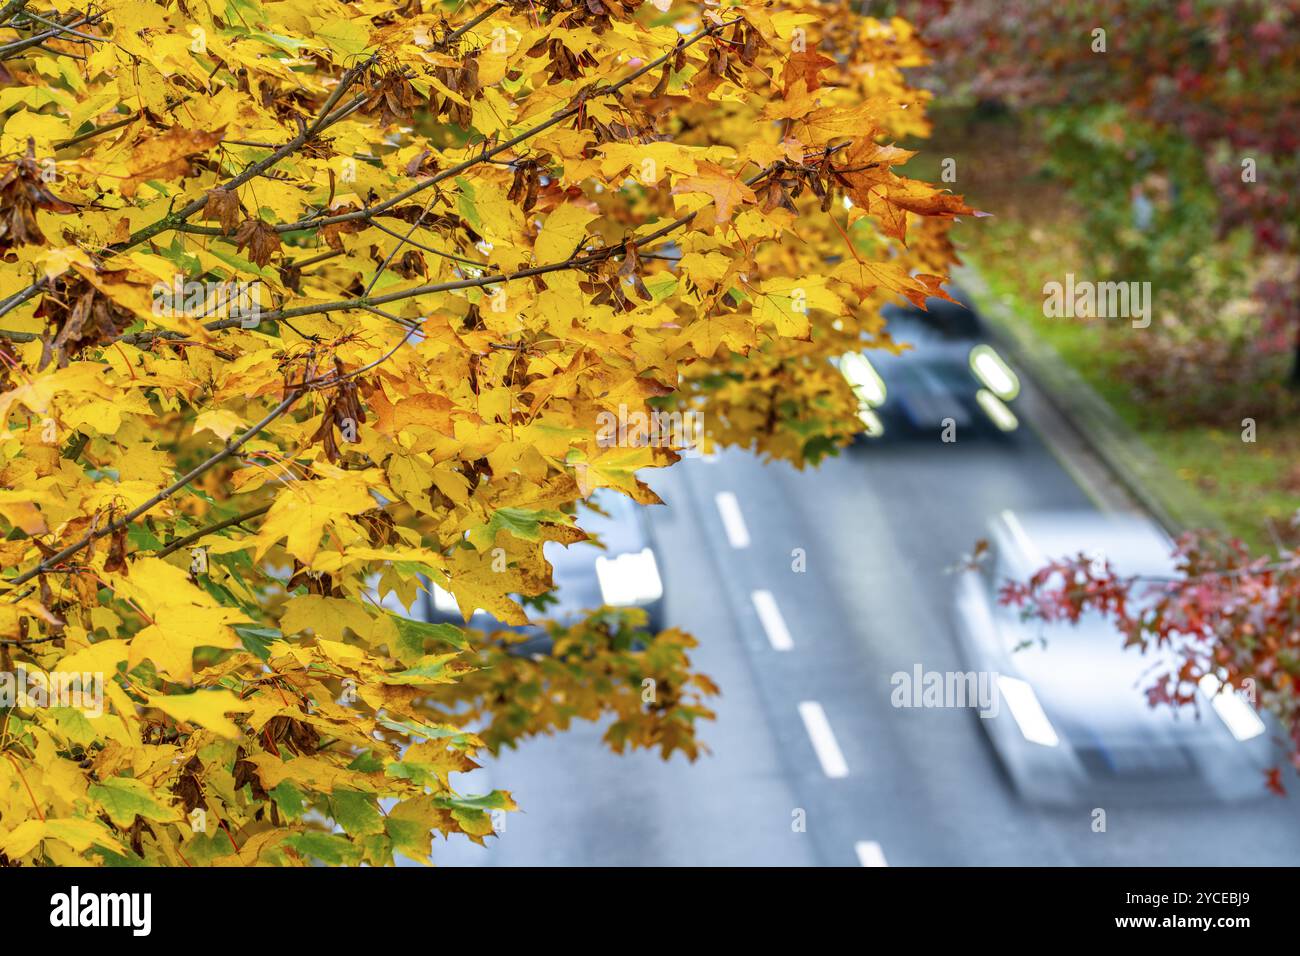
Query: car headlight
{"type": "Point", "coordinates": [993, 373]}
{"type": "Point", "coordinates": [1027, 711]}
{"type": "Point", "coordinates": [1235, 712]}
{"type": "Point", "coordinates": [871, 423]}
{"type": "Point", "coordinates": [863, 378]}
{"type": "Point", "coordinates": [997, 411]}
{"type": "Point", "coordinates": [629, 579]}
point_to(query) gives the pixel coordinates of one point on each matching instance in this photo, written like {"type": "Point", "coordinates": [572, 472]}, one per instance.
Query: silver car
{"type": "Point", "coordinates": [617, 567]}
{"type": "Point", "coordinates": [1072, 721]}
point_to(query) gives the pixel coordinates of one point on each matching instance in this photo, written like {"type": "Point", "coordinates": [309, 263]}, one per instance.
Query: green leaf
{"type": "Point", "coordinates": [412, 635]}
{"type": "Point", "coordinates": [661, 285]}
{"type": "Point", "coordinates": [329, 848]}
{"type": "Point", "coordinates": [258, 640]}
{"type": "Point", "coordinates": [496, 800]}
{"type": "Point", "coordinates": [521, 522]}
{"type": "Point", "coordinates": [367, 762]}
{"type": "Point", "coordinates": [420, 774]}
{"type": "Point", "coordinates": [418, 728]}
{"type": "Point", "coordinates": [465, 203]}
{"type": "Point", "coordinates": [72, 723]}
{"type": "Point", "coordinates": [356, 812]}
{"type": "Point", "coordinates": [410, 837]}
{"type": "Point", "coordinates": [289, 799]}
{"type": "Point", "coordinates": [125, 798]}
{"type": "Point", "coordinates": [431, 669]}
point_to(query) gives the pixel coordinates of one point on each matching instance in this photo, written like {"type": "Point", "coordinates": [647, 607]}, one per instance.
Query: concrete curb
{"type": "Point", "coordinates": [1154, 487]}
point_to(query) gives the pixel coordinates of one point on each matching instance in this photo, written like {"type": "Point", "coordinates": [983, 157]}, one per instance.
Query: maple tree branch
{"type": "Point", "coordinates": [419, 245]}
{"type": "Point", "coordinates": [345, 81]}
{"type": "Point", "coordinates": [216, 233]}
{"type": "Point", "coordinates": [402, 240]}
{"type": "Point", "coordinates": [574, 262]}
{"type": "Point", "coordinates": [337, 379]}
{"type": "Point", "coordinates": [230, 448]}
{"type": "Point", "coordinates": [25, 641]}
{"type": "Point", "coordinates": [210, 529]}
{"type": "Point", "coordinates": [369, 303]}
{"type": "Point", "coordinates": [116, 124]}
{"type": "Point", "coordinates": [61, 28]}
{"type": "Point", "coordinates": [98, 130]}
{"type": "Point", "coordinates": [175, 219]}
{"type": "Point", "coordinates": [9, 50]}
{"type": "Point", "coordinates": [10, 8]}
{"type": "Point", "coordinates": [295, 393]}
{"type": "Point", "coordinates": [459, 32]}
{"type": "Point", "coordinates": [188, 211]}
{"type": "Point", "coordinates": [486, 154]}
{"type": "Point", "coordinates": [313, 260]}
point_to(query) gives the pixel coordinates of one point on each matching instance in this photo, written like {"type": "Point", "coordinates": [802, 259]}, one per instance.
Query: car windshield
{"type": "Point", "coordinates": [945, 321]}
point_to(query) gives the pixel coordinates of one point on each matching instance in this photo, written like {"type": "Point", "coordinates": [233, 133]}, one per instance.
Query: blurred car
{"type": "Point", "coordinates": [1072, 720]}
{"type": "Point", "coordinates": [624, 573]}
{"type": "Point", "coordinates": [951, 376]}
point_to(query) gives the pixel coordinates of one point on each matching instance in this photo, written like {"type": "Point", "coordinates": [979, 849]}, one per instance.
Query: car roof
{"type": "Point", "coordinates": [1133, 544]}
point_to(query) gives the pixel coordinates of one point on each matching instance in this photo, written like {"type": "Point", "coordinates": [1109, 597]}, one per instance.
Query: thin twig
{"type": "Point", "coordinates": [203, 467]}
{"type": "Point", "coordinates": [211, 529]}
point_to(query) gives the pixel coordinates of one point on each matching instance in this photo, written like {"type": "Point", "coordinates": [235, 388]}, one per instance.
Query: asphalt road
{"type": "Point", "coordinates": [807, 735]}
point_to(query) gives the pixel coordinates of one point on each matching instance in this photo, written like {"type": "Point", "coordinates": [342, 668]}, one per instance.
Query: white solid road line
{"type": "Point", "coordinates": [769, 615]}
{"type": "Point", "coordinates": [870, 853]}
{"type": "Point", "coordinates": [733, 522]}
{"type": "Point", "coordinates": [823, 740]}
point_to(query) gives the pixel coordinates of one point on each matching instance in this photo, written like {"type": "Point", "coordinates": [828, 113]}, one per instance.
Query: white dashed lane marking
{"type": "Point", "coordinates": [733, 522]}
{"type": "Point", "coordinates": [870, 853]}
{"type": "Point", "coordinates": [769, 615]}
{"type": "Point", "coordinates": [823, 739]}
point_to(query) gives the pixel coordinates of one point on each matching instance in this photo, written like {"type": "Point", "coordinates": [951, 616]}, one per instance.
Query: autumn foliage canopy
{"type": "Point", "coordinates": [305, 306]}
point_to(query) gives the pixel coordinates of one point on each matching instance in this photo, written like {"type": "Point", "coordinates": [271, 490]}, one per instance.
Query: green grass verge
{"type": "Point", "coordinates": [1031, 237]}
